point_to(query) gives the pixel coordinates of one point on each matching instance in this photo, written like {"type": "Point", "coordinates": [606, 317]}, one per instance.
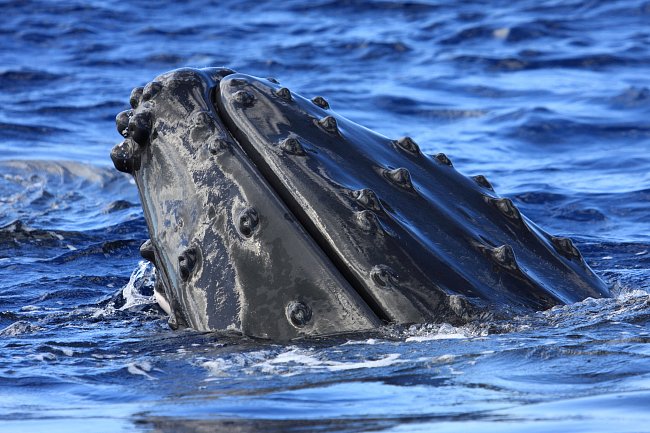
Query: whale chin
{"type": "Point", "coordinates": [271, 214]}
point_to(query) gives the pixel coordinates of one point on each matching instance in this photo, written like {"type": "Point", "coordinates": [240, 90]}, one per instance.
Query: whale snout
{"type": "Point", "coordinates": [271, 214]}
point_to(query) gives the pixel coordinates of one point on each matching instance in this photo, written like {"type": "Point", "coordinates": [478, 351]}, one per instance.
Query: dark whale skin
{"type": "Point", "coordinates": [227, 251]}
{"type": "Point", "coordinates": [271, 214]}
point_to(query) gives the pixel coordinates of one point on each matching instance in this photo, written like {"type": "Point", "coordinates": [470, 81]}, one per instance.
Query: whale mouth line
{"type": "Point", "coordinates": [272, 214]}
{"type": "Point", "coordinates": [244, 142]}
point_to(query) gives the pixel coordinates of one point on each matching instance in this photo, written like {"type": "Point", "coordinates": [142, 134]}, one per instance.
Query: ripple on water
{"type": "Point", "coordinates": [548, 99]}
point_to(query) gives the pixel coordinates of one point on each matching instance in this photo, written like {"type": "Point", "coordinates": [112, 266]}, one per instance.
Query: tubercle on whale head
{"type": "Point", "coordinates": [409, 145]}
{"type": "Point", "coordinates": [263, 204]}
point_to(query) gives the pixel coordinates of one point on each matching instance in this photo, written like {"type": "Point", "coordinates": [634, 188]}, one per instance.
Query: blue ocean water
{"type": "Point", "coordinates": [549, 99]}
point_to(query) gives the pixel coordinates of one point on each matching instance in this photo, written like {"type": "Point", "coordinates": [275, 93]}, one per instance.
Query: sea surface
{"type": "Point", "coordinates": [550, 99]}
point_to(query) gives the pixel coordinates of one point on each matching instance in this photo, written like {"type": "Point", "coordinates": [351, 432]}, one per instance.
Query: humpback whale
{"type": "Point", "coordinates": [271, 214]}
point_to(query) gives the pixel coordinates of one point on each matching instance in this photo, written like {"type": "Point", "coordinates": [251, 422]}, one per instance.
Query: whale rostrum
{"type": "Point", "coordinates": [270, 214]}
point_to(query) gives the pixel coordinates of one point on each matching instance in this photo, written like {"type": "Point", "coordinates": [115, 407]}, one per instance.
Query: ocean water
{"type": "Point", "coordinates": [549, 99]}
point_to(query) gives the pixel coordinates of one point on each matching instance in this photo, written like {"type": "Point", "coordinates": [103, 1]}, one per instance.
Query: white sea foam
{"type": "Point", "coordinates": [444, 331]}
{"type": "Point", "coordinates": [217, 367]}
{"type": "Point", "coordinates": [132, 292]}
{"type": "Point", "coordinates": [140, 369]}
{"type": "Point", "coordinates": [445, 358]}
{"type": "Point", "coordinates": [291, 362]}
{"type": "Point", "coordinates": [371, 341]}
{"type": "Point", "coordinates": [436, 337]}
{"type": "Point", "coordinates": [298, 360]}
{"type": "Point", "coordinates": [143, 275]}
{"type": "Point", "coordinates": [45, 356]}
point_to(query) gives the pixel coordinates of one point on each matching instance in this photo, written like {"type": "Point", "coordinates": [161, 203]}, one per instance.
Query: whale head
{"type": "Point", "coordinates": [271, 214]}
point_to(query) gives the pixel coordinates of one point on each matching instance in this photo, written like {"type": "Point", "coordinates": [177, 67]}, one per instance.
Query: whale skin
{"type": "Point", "coordinates": [272, 215]}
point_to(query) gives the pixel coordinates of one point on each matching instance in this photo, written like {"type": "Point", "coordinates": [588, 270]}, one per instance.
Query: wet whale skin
{"type": "Point", "coordinates": [272, 215]}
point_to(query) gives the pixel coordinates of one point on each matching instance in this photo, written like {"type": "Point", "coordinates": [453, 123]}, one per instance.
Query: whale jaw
{"type": "Point", "coordinates": [271, 214]}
